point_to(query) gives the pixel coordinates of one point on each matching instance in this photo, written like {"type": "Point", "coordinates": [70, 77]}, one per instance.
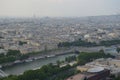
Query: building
{"type": "Point", "coordinates": [77, 77]}
{"type": "Point", "coordinates": [97, 73]}
{"type": "Point", "coordinates": [83, 68]}
{"type": "Point", "coordinates": [2, 51]}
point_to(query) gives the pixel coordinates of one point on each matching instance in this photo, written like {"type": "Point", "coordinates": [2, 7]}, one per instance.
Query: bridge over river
{"type": "Point", "coordinates": [3, 74]}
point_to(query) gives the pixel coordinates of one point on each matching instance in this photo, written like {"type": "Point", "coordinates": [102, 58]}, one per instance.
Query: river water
{"type": "Point", "coordinates": [20, 68]}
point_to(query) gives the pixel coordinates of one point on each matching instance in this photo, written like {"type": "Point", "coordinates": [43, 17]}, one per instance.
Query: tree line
{"type": "Point", "coordinates": [11, 56]}
{"type": "Point", "coordinates": [88, 44]}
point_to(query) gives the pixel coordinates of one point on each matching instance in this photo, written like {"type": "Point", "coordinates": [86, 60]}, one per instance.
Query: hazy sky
{"type": "Point", "coordinates": [59, 8]}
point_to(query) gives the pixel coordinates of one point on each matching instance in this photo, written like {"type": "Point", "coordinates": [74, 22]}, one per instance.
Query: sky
{"type": "Point", "coordinates": [58, 8]}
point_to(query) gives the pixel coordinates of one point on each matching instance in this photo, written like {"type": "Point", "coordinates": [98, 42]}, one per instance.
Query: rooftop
{"type": "Point", "coordinates": [77, 77]}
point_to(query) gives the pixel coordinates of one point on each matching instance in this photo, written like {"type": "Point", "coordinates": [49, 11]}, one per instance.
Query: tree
{"type": "Point", "coordinates": [58, 62]}
{"type": "Point", "coordinates": [13, 52]}
{"type": "Point", "coordinates": [22, 43]}
{"type": "Point", "coordinates": [101, 51]}
{"type": "Point", "coordinates": [118, 49]}
{"type": "Point", "coordinates": [45, 48]}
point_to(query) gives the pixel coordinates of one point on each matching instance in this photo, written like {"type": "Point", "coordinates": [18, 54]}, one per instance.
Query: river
{"type": "Point", "coordinates": [20, 68]}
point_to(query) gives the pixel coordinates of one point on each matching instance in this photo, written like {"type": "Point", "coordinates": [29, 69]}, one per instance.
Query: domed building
{"type": "Point", "coordinates": [96, 73]}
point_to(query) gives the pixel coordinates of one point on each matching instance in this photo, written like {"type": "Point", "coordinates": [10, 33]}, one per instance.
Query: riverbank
{"type": "Point", "coordinates": [35, 64]}
{"type": "Point", "coordinates": [35, 57]}
{"type": "Point", "coordinates": [38, 60]}
{"type": "Point", "coordinates": [54, 53]}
